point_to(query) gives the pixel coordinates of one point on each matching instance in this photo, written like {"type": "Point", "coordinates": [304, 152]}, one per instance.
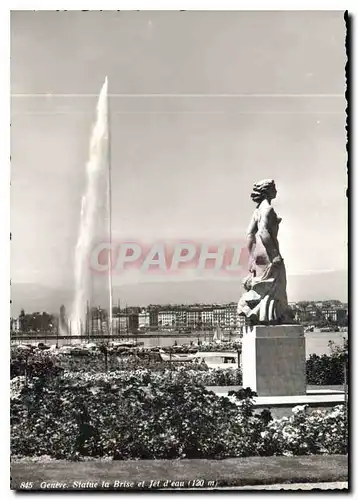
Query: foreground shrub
{"type": "Point", "coordinates": [150, 417]}
{"type": "Point", "coordinates": [40, 364]}
{"type": "Point", "coordinates": [47, 364]}
{"type": "Point", "coordinates": [328, 370]}
{"type": "Point", "coordinates": [320, 370]}
{"type": "Point", "coordinates": [307, 432]}
{"type": "Point", "coordinates": [104, 416]}
{"type": "Point", "coordinates": [324, 370]}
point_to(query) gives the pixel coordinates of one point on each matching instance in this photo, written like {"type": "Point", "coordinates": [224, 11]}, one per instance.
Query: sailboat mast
{"type": "Point", "coordinates": [109, 220]}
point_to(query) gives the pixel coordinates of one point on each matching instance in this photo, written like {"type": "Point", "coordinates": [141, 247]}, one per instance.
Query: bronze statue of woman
{"type": "Point", "coordinates": [265, 299]}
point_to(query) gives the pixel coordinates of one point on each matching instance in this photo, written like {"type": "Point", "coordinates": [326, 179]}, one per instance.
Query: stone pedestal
{"type": "Point", "coordinates": [274, 360]}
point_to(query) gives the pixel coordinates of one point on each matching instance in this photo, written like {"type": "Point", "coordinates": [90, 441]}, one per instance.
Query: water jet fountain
{"type": "Point", "coordinates": [97, 167]}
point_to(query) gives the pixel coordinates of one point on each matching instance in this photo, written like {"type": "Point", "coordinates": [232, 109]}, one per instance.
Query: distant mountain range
{"type": "Point", "coordinates": [319, 286]}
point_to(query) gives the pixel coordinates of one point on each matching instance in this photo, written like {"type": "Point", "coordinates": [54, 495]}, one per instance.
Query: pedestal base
{"type": "Point", "coordinates": [274, 360]}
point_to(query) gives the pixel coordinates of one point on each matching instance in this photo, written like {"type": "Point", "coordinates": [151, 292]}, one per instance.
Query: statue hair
{"type": "Point", "coordinates": [262, 190]}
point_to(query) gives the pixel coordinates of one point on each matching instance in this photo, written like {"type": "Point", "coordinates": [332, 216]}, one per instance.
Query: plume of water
{"type": "Point", "coordinates": [97, 166]}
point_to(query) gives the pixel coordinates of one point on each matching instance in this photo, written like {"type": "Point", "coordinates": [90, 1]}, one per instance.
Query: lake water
{"type": "Point", "coordinates": [316, 342]}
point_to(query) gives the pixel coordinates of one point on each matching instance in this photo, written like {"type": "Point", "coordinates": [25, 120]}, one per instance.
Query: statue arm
{"type": "Point", "coordinates": [251, 234]}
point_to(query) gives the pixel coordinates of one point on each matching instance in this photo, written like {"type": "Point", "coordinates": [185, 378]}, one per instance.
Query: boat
{"type": "Point", "coordinates": [177, 357]}
{"type": "Point", "coordinates": [24, 347]}
{"type": "Point", "coordinates": [218, 359]}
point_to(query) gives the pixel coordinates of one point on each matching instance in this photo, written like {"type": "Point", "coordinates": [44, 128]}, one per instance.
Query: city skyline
{"type": "Point", "coordinates": [124, 306]}
{"type": "Point", "coordinates": [35, 297]}
{"type": "Point", "coordinates": [179, 317]}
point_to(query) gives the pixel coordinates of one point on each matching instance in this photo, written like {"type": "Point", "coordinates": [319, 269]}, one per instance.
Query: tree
{"type": "Point", "coordinates": [339, 351]}
{"type": "Point", "coordinates": [318, 316]}
{"type": "Point", "coordinates": [22, 321]}
{"type": "Point", "coordinates": [63, 326]}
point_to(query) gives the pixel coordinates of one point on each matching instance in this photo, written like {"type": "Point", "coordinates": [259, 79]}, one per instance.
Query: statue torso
{"type": "Point", "coordinates": [266, 219]}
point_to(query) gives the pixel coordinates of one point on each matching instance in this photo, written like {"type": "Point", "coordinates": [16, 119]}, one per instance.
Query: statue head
{"type": "Point", "coordinates": [264, 190]}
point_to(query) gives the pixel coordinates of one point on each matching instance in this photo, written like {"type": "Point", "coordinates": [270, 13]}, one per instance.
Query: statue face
{"type": "Point", "coordinates": [273, 193]}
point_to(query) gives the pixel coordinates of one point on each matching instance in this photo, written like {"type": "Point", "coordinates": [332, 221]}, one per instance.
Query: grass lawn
{"type": "Point", "coordinates": [228, 472]}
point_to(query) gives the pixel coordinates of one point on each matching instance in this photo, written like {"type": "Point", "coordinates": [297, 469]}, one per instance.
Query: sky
{"type": "Point", "coordinates": [202, 105]}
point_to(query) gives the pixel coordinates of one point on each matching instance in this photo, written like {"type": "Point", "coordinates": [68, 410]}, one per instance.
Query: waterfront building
{"type": "Point", "coordinates": [153, 317]}
{"type": "Point", "coordinates": [166, 319]}
{"type": "Point", "coordinates": [219, 315]}
{"type": "Point", "coordinates": [181, 317]}
{"type": "Point", "coordinates": [144, 319]}
{"type": "Point", "coordinates": [15, 324]}
{"type": "Point", "coordinates": [207, 316]}
{"type": "Point", "coordinates": [193, 317]}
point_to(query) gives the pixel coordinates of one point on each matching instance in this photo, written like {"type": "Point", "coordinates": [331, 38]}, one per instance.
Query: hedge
{"type": "Point", "coordinates": [72, 416]}
{"type": "Point", "coordinates": [320, 370]}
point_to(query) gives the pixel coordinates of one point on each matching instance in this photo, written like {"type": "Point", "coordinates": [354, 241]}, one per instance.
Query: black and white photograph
{"type": "Point", "coordinates": [179, 310]}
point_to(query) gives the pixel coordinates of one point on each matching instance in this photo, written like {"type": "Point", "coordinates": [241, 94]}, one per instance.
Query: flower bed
{"type": "Point", "coordinates": [48, 364]}
{"type": "Point", "coordinates": [320, 370]}
{"type": "Point", "coordinates": [219, 347]}
{"type": "Point", "coordinates": [144, 416]}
